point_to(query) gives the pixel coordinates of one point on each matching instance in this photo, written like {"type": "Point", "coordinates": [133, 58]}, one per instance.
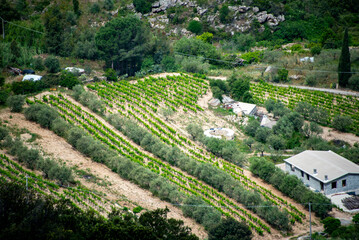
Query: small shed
{"type": "Point", "coordinates": [31, 77]}
{"type": "Point", "coordinates": [266, 122]}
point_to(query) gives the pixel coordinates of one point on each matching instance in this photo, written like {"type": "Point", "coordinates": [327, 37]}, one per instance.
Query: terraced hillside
{"type": "Point", "coordinates": [141, 102]}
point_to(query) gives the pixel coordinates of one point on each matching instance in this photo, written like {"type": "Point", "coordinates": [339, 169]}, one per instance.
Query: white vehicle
{"type": "Point", "coordinates": [31, 77]}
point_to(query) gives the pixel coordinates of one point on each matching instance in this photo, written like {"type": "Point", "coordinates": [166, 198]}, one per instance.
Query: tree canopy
{"type": "Point", "coordinates": [123, 43]}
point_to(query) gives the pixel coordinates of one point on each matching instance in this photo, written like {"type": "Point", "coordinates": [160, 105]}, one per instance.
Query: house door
{"type": "Point", "coordinates": [321, 186]}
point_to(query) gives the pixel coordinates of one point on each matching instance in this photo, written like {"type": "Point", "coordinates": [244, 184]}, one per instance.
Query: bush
{"type": "Point", "coordinates": [195, 27]}
{"type": "Point", "coordinates": [15, 103]}
{"type": "Point", "coordinates": [38, 64]}
{"type": "Point", "coordinates": [342, 123]}
{"type": "Point", "coordinates": [206, 37]}
{"type": "Point", "coordinates": [316, 50]}
{"type": "Point", "coordinates": [194, 65]}
{"type": "Point", "coordinates": [244, 42]}
{"type": "Point", "coordinates": [69, 80]}
{"type": "Point", "coordinates": [311, 80]}
{"type": "Point", "coordinates": [354, 82]}
{"type": "Point", "coordinates": [283, 75]}
{"type": "Point", "coordinates": [111, 75]}
{"type": "Point", "coordinates": [169, 64]}
{"type": "Point", "coordinates": [331, 224]}
{"type": "Point", "coordinates": [52, 64]}
{"type": "Point", "coordinates": [296, 48]}
{"type": "Point", "coordinates": [108, 5]}
{"type": "Point", "coordinates": [224, 16]}
{"type": "Point", "coordinates": [95, 8]}
{"type": "Point", "coordinates": [143, 6]}
{"type": "Point", "coordinates": [230, 229]}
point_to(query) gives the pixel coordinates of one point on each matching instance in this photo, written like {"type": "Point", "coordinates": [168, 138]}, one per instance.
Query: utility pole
{"type": "Point", "coordinates": [26, 181]}
{"type": "Point", "coordinates": [310, 223]}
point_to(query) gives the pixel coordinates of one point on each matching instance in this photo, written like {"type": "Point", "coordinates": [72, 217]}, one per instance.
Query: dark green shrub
{"type": "Point", "coordinates": [52, 64]}
{"type": "Point", "coordinates": [108, 5]}
{"type": "Point", "coordinates": [111, 75]}
{"type": "Point", "coordinates": [38, 64]}
{"type": "Point", "coordinates": [195, 27]}
{"type": "Point", "coordinates": [316, 50]}
{"type": "Point", "coordinates": [331, 224]}
{"type": "Point", "coordinates": [224, 14]}
{"type": "Point", "coordinates": [283, 75]}
{"type": "Point", "coordinates": [342, 123]}
{"type": "Point", "coordinates": [354, 82]}
{"type": "Point", "coordinates": [69, 80]}
{"type": "Point", "coordinates": [15, 103]}
{"type": "Point", "coordinates": [95, 8]}
{"type": "Point", "coordinates": [143, 6]}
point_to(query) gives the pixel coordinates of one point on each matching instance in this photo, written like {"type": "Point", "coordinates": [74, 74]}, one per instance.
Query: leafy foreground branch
{"type": "Point", "coordinates": [27, 213]}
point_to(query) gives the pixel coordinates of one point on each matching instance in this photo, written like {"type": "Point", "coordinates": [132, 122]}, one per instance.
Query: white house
{"type": "Point", "coordinates": [324, 171]}
{"type": "Point", "coordinates": [242, 108]}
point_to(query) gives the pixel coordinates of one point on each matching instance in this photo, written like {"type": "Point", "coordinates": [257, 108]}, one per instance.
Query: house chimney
{"type": "Point", "coordinates": [326, 177]}
{"type": "Point", "coordinates": [315, 171]}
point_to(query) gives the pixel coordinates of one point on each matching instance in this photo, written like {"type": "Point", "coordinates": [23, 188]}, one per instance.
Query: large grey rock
{"type": "Point", "coordinates": [262, 17]}
{"type": "Point", "coordinates": [156, 5]}
{"type": "Point", "coordinates": [255, 9]}
{"type": "Point", "coordinates": [202, 11]}
{"type": "Point", "coordinates": [243, 9]}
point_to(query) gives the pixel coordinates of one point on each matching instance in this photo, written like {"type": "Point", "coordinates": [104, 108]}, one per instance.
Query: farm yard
{"type": "Point", "coordinates": [131, 127]}
{"type": "Point", "coordinates": [122, 98]}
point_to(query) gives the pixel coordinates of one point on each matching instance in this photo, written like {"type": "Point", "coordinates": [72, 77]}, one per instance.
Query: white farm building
{"type": "Point", "coordinates": [324, 171]}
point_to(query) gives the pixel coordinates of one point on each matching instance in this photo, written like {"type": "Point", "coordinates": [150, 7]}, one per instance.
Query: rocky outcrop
{"type": "Point", "coordinates": [243, 16]}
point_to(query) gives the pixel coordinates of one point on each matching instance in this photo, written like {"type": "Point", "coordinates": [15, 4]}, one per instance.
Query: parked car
{"type": "Point", "coordinates": [27, 71]}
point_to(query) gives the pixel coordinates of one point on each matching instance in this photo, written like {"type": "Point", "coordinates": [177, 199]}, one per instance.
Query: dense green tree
{"type": "Point", "coordinates": [124, 42]}
{"type": "Point", "coordinates": [195, 27]}
{"type": "Point", "coordinates": [163, 228]}
{"type": "Point", "coordinates": [277, 142]}
{"type": "Point", "coordinates": [76, 6]}
{"type": "Point", "coordinates": [251, 127]}
{"type": "Point", "coordinates": [54, 22]}
{"type": "Point", "coordinates": [331, 224]}
{"type": "Point", "coordinates": [344, 69]}
{"type": "Point", "coordinates": [69, 80]}
{"type": "Point", "coordinates": [194, 46]}
{"type": "Point", "coordinates": [108, 5]}
{"type": "Point", "coordinates": [15, 103]}
{"type": "Point", "coordinates": [262, 134]}
{"type": "Point", "coordinates": [52, 64]}
{"type": "Point", "coordinates": [354, 82]}
{"type": "Point", "coordinates": [230, 229]}
{"type": "Point", "coordinates": [224, 15]}
{"type": "Point", "coordinates": [342, 123]}
{"type": "Point", "coordinates": [143, 6]}
{"type": "Point", "coordinates": [195, 131]}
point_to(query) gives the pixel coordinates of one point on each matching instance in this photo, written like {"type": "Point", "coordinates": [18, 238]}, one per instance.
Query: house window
{"type": "Point", "coordinates": [292, 167]}
{"type": "Point", "coordinates": [344, 183]}
{"type": "Point", "coordinates": [334, 185]}
{"type": "Point", "coordinates": [302, 173]}
{"type": "Point", "coordinates": [307, 176]}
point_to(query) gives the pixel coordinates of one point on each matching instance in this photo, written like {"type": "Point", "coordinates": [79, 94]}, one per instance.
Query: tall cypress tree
{"type": "Point", "coordinates": [344, 62]}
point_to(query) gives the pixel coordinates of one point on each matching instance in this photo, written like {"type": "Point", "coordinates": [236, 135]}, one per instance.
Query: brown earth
{"type": "Point", "coordinates": [117, 188]}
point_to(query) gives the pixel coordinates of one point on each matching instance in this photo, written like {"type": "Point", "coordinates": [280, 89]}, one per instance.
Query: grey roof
{"type": "Point", "coordinates": [325, 162]}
